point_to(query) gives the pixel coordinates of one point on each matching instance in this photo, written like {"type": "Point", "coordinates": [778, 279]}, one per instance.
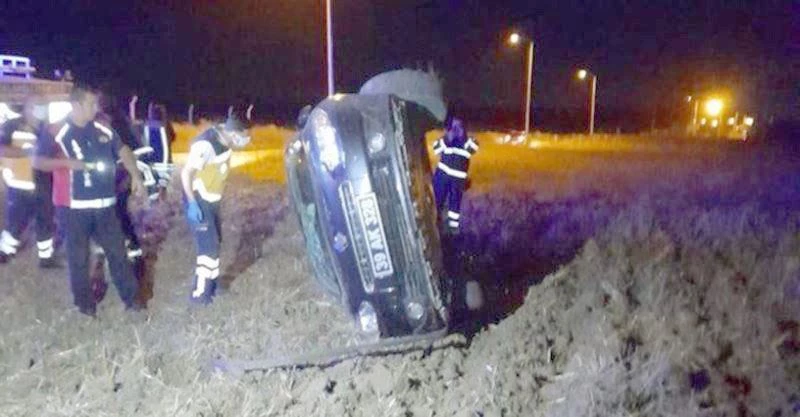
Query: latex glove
{"type": "Point", "coordinates": [193, 212]}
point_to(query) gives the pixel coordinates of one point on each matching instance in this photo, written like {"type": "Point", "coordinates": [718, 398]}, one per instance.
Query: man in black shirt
{"type": "Point", "coordinates": [91, 213]}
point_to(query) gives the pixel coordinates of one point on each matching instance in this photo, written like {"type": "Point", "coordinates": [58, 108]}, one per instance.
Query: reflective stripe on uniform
{"type": "Point", "coordinates": [452, 215]}
{"type": "Point", "coordinates": [453, 223]}
{"type": "Point", "coordinates": [207, 261]}
{"type": "Point", "coordinates": [457, 151]}
{"type": "Point", "coordinates": [471, 144]}
{"type": "Point", "coordinates": [60, 137]}
{"type": "Point", "coordinates": [200, 287]}
{"type": "Point", "coordinates": [452, 172]}
{"type": "Point", "coordinates": [104, 129]}
{"type": "Point", "coordinates": [22, 139]}
{"type": "Point", "coordinates": [96, 203]}
{"type": "Point", "coordinates": [438, 147]}
{"type": "Point", "coordinates": [8, 244]}
{"type": "Point", "coordinates": [20, 167]}
{"type": "Point", "coordinates": [45, 248]}
{"type": "Point", "coordinates": [23, 136]}
{"type": "Point", "coordinates": [206, 273]}
{"type": "Point", "coordinates": [8, 177]}
{"type": "Point", "coordinates": [207, 269]}
{"type": "Point", "coordinates": [164, 145]}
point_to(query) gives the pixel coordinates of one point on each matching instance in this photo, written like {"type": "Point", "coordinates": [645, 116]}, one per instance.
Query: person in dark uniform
{"type": "Point", "coordinates": [158, 134]}
{"type": "Point", "coordinates": [203, 180]}
{"type": "Point", "coordinates": [92, 202]}
{"type": "Point", "coordinates": [28, 189]}
{"type": "Point", "coordinates": [112, 116]}
{"type": "Point", "coordinates": [455, 149]}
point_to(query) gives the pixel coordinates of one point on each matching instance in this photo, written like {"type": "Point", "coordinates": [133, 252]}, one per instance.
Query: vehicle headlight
{"type": "Point", "coordinates": [297, 145]}
{"type": "Point", "coordinates": [329, 152]}
{"type": "Point", "coordinates": [367, 318]}
{"type": "Point", "coordinates": [377, 143]}
{"type": "Point", "coordinates": [340, 242]}
{"type": "Point", "coordinates": [414, 310]}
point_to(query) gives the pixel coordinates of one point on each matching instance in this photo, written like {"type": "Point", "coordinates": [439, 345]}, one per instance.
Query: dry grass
{"type": "Point", "coordinates": [654, 265]}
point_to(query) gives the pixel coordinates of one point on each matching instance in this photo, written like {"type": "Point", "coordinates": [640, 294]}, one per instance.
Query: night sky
{"type": "Point", "coordinates": [272, 51]}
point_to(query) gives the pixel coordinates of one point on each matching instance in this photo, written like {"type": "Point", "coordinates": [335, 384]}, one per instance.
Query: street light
{"type": "Point", "coordinates": [714, 107]}
{"type": "Point", "coordinates": [329, 37]}
{"type": "Point", "coordinates": [582, 74]}
{"type": "Point", "coordinates": [514, 39]}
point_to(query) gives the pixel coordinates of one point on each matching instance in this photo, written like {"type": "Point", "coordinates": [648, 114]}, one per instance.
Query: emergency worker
{"type": "Point", "coordinates": [455, 149]}
{"type": "Point", "coordinates": [49, 157]}
{"type": "Point", "coordinates": [158, 134]}
{"type": "Point", "coordinates": [113, 117]}
{"type": "Point", "coordinates": [203, 180]}
{"type": "Point", "coordinates": [28, 189]}
{"type": "Point", "coordinates": [93, 149]}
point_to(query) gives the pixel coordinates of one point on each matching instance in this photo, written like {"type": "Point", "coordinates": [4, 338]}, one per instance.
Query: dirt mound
{"type": "Point", "coordinates": [641, 324]}
{"type": "Point", "coordinates": [638, 323]}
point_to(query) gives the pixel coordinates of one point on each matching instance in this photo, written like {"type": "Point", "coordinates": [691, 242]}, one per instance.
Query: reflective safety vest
{"type": "Point", "coordinates": [210, 179]}
{"type": "Point", "coordinates": [454, 159]}
{"type": "Point", "coordinates": [18, 172]}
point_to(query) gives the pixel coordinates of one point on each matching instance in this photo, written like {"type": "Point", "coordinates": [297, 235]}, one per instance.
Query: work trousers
{"type": "Point", "coordinates": [207, 237]}
{"type": "Point", "coordinates": [128, 229]}
{"type": "Point", "coordinates": [22, 206]}
{"type": "Point", "coordinates": [448, 191]}
{"type": "Point", "coordinates": [103, 227]}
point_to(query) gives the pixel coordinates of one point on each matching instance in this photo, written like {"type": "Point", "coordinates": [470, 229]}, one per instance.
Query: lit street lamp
{"type": "Point", "coordinates": [714, 107]}
{"type": "Point", "coordinates": [514, 39]}
{"type": "Point", "coordinates": [582, 74]}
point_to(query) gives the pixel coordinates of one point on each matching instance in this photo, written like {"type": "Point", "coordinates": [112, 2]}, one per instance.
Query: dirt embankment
{"type": "Point", "coordinates": [673, 295]}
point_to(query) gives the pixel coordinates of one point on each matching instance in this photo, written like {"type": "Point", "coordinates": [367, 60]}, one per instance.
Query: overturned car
{"type": "Point", "coordinates": [359, 177]}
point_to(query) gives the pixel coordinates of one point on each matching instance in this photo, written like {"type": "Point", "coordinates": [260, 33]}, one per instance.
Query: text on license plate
{"type": "Point", "coordinates": [374, 235]}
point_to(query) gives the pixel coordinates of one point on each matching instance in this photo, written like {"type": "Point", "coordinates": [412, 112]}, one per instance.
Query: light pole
{"type": "Point", "coordinates": [692, 125]}
{"type": "Point", "coordinates": [329, 37]}
{"type": "Point", "coordinates": [695, 108]}
{"type": "Point", "coordinates": [514, 39]}
{"type": "Point", "coordinates": [132, 108]}
{"type": "Point", "coordinates": [582, 74]}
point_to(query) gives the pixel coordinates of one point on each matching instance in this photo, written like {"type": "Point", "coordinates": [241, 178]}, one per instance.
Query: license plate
{"type": "Point", "coordinates": [379, 257]}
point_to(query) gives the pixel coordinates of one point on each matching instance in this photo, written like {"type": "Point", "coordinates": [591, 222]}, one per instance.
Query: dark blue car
{"type": "Point", "coordinates": [359, 177]}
